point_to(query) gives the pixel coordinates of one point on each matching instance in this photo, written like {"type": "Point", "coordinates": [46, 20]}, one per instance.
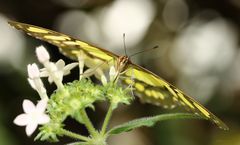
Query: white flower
{"type": "Point", "coordinates": [56, 71]}
{"type": "Point", "coordinates": [81, 66]}
{"type": "Point", "coordinates": [42, 54]}
{"type": "Point", "coordinates": [35, 81]}
{"type": "Point", "coordinates": [103, 80]}
{"type": "Point", "coordinates": [112, 73]}
{"type": "Point", "coordinates": [33, 71]}
{"type": "Point", "coordinates": [33, 116]}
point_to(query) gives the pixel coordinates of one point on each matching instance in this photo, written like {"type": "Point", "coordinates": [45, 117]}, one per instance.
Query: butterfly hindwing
{"type": "Point", "coordinates": [148, 94]}
{"type": "Point", "coordinates": [153, 89]}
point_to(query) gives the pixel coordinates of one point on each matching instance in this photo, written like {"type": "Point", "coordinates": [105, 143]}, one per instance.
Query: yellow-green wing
{"type": "Point", "coordinates": [69, 46]}
{"type": "Point", "coordinates": [153, 89]}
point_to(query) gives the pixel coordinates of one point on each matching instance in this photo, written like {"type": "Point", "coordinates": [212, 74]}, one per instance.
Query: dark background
{"type": "Point", "coordinates": [199, 53]}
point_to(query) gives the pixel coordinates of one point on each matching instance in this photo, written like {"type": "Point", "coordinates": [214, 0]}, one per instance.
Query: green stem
{"type": "Point", "coordinates": [73, 135]}
{"type": "Point", "coordinates": [107, 118]}
{"type": "Point", "coordinates": [88, 123]}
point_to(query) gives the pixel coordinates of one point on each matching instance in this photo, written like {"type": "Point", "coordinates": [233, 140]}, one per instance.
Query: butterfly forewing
{"type": "Point", "coordinates": [69, 46]}
{"type": "Point", "coordinates": [155, 90]}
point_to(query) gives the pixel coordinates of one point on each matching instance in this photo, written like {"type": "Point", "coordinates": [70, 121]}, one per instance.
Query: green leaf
{"type": "Point", "coordinates": [150, 121]}
{"type": "Point", "coordinates": [78, 143]}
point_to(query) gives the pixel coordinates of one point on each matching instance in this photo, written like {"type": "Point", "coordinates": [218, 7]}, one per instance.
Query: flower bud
{"type": "Point", "coordinates": [33, 71]}
{"type": "Point", "coordinates": [112, 73]}
{"type": "Point", "coordinates": [42, 54]}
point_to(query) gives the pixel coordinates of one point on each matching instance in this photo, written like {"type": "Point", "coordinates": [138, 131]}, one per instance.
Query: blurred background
{"type": "Point", "coordinates": [199, 53]}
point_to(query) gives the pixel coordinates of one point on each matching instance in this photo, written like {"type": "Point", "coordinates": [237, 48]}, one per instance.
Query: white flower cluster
{"type": "Point", "coordinates": [54, 71]}
{"type": "Point", "coordinates": [35, 115]}
{"type": "Point", "coordinates": [32, 115]}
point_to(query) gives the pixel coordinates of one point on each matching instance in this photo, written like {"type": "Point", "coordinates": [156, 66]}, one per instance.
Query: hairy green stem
{"type": "Point", "coordinates": [88, 123]}
{"type": "Point", "coordinates": [107, 119]}
{"type": "Point", "coordinates": [73, 135]}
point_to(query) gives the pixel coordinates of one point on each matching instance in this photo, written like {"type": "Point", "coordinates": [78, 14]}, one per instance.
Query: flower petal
{"type": "Point", "coordinates": [112, 73]}
{"type": "Point", "coordinates": [42, 54]}
{"type": "Point", "coordinates": [51, 67]}
{"type": "Point", "coordinates": [44, 72]}
{"type": "Point", "coordinates": [89, 72]}
{"type": "Point", "coordinates": [41, 106]}
{"type": "Point", "coordinates": [33, 71]}
{"type": "Point", "coordinates": [31, 82]}
{"type": "Point", "coordinates": [99, 73]}
{"type": "Point", "coordinates": [103, 80]}
{"type": "Point", "coordinates": [31, 128]}
{"type": "Point", "coordinates": [60, 64]}
{"type": "Point", "coordinates": [50, 80]}
{"type": "Point", "coordinates": [22, 120]}
{"type": "Point", "coordinates": [112, 70]}
{"type": "Point", "coordinates": [28, 106]}
{"type": "Point", "coordinates": [43, 119]}
{"type": "Point", "coordinates": [81, 64]}
{"type": "Point", "coordinates": [68, 67]}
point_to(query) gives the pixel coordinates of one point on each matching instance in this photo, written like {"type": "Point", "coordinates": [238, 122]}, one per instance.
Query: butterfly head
{"type": "Point", "coordinates": [122, 63]}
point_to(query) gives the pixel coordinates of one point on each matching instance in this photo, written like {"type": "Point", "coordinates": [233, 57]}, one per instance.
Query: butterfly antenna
{"type": "Point", "coordinates": [124, 43]}
{"type": "Point", "coordinates": [145, 50]}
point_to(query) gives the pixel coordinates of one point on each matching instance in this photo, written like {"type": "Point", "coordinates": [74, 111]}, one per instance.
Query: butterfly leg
{"type": "Point", "coordinates": [132, 81]}
{"type": "Point", "coordinates": [91, 71]}
{"type": "Point", "coordinates": [96, 70]}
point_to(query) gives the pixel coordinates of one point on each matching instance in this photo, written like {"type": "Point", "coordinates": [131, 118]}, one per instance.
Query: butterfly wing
{"type": "Point", "coordinates": [153, 89]}
{"type": "Point", "coordinates": [69, 46]}
{"type": "Point", "coordinates": [150, 87]}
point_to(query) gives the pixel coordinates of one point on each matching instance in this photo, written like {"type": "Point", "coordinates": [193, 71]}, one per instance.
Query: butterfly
{"type": "Point", "coordinates": [149, 87]}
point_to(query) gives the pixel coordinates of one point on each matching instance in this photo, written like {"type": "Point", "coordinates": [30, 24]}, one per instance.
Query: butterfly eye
{"type": "Point", "coordinates": [127, 60]}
